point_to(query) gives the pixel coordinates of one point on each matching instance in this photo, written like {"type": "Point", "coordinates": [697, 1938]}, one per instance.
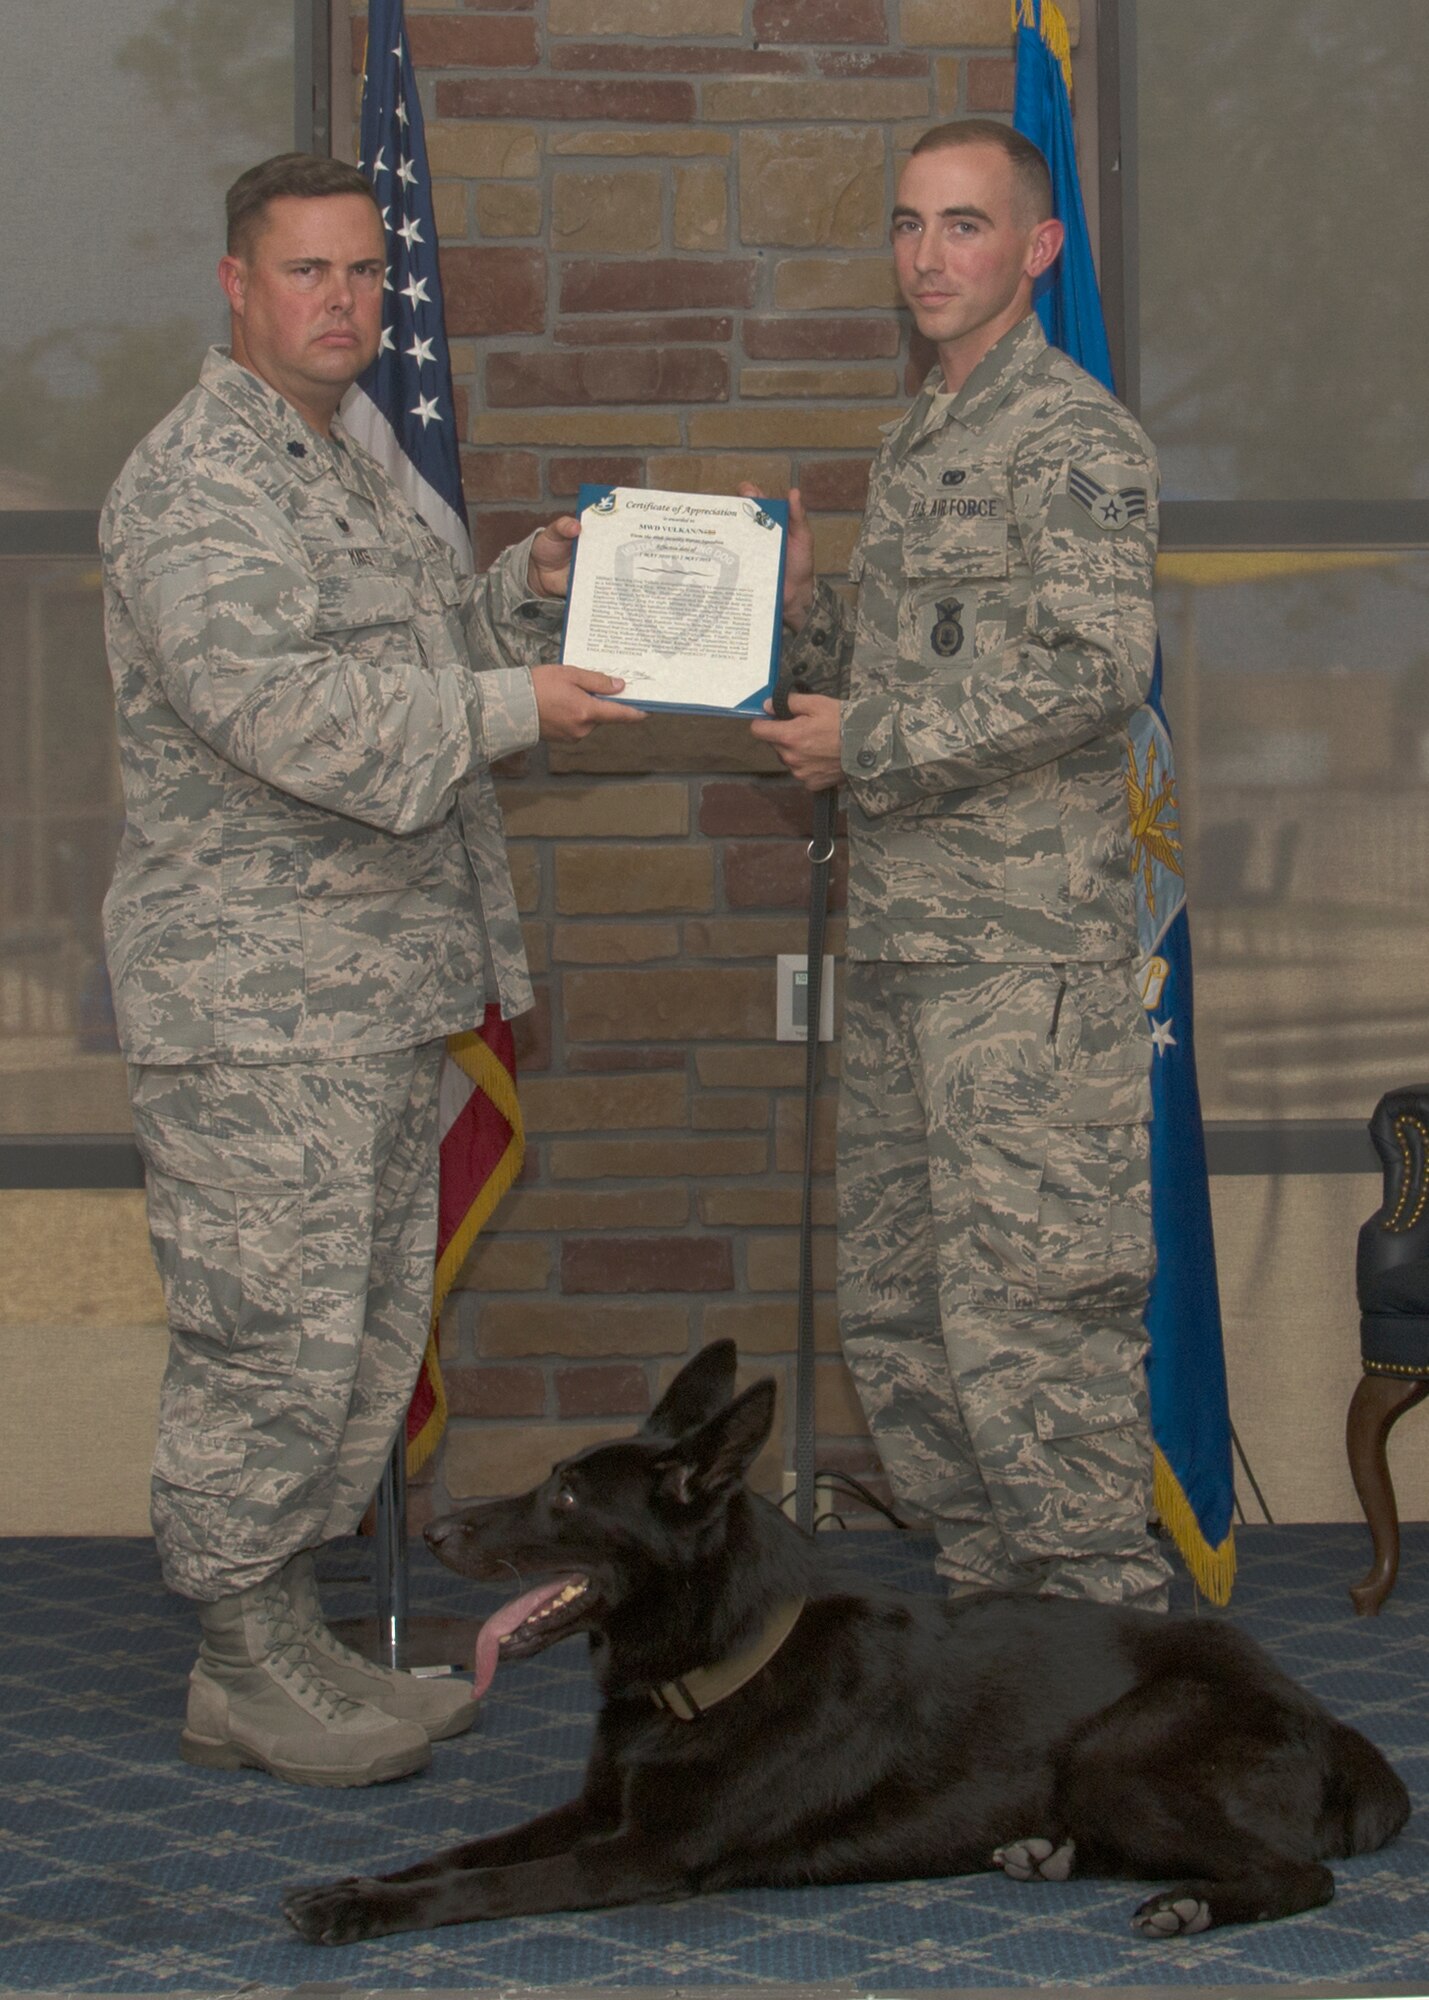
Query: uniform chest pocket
{"type": "Point", "coordinates": [954, 555]}
{"type": "Point", "coordinates": [967, 545]}
{"type": "Point", "coordinates": [436, 565]}
{"type": "Point", "coordinates": [353, 592]}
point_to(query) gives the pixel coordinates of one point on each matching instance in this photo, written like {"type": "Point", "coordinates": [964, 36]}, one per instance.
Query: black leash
{"type": "Point", "coordinates": [821, 854]}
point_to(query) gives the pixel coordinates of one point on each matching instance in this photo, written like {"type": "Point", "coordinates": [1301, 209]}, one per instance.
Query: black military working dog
{"type": "Point", "coordinates": [766, 1725]}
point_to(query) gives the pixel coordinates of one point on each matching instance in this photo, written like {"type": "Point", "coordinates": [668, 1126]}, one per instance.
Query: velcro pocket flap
{"type": "Point", "coordinates": [350, 598]}
{"type": "Point", "coordinates": [1120, 1096]}
{"type": "Point", "coordinates": [212, 1468]}
{"type": "Point", "coordinates": [208, 1159]}
{"type": "Point", "coordinates": [1080, 1409]}
{"type": "Point", "coordinates": [950, 547]}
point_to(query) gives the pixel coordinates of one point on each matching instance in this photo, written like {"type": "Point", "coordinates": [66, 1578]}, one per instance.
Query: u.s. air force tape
{"type": "Point", "coordinates": [1111, 507]}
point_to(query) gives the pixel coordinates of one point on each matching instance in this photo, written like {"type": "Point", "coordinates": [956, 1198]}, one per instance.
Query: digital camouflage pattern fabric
{"type": "Point", "coordinates": [293, 1214]}
{"type": "Point", "coordinates": [994, 1203]}
{"type": "Point", "coordinates": [1003, 636]}
{"type": "Point", "coordinates": [994, 1257]}
{"type": "Point", "coordinates": [311, 892]}
{"type": "Point", "coordinates": [313, 860]}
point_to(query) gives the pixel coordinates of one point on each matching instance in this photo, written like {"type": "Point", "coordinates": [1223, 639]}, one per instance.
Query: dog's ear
{"type": "Point", "coordinates": [702, 1387]}
{"type": "Point", "coordinates": [713, 1460]}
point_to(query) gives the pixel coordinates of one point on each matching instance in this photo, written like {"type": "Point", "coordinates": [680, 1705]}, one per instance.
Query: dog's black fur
{"type": "Point", "coordinates": [891, 1737]}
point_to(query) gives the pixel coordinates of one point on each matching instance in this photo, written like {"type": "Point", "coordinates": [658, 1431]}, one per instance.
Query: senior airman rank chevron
{"type": "Point", "coordinates": [1186, 1370]}
{"type": "Point", "coordinates": [1109, 508]}
{"type": "Point", "coordinates": [402, 410]}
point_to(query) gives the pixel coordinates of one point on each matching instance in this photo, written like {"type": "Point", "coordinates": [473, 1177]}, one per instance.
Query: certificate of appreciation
{"type": "Point", "coordinates": [681, 594]}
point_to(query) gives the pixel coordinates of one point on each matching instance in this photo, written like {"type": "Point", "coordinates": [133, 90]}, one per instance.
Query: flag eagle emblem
{"type": "Point", "coordinates": [1155, 821]}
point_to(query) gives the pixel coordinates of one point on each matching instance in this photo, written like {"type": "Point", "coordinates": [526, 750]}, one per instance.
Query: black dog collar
{"type": "Point", "coordinates": [689, 1695]}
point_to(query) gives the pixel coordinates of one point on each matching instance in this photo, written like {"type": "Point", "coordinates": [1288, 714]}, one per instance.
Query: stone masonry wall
{"type": "Point", "coordinates": [664, 228]}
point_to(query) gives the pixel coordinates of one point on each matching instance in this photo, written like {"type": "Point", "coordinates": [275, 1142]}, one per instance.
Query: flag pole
{"type": "Point", "coordinates": [402, 411]}
{"type": "Point", "coordinates": [393, 1637]}
{"type": "Point", "coordinates": [393, 1633]}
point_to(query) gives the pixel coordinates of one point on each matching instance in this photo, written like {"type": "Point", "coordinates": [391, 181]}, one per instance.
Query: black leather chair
{"type": "Point", "coordinates": [1392, 1281]}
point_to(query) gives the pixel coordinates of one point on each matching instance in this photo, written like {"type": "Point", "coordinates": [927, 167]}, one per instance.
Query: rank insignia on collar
{"type": "Point", "coordinates": [1110, 507]}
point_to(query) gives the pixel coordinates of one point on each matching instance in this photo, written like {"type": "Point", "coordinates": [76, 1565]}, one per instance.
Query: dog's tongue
{"type": "Point", "coordinates": [488, 1639]}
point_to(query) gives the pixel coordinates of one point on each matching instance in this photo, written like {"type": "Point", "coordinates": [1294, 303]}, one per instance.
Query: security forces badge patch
{"type": "Point", "coordinates": [947, 633]}
{"type": "Point", "coordinates": [1111, 507]}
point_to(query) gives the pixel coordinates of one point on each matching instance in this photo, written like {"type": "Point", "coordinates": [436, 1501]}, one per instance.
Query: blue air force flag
{"type": "Point", "coordinates": [1190, 1414]}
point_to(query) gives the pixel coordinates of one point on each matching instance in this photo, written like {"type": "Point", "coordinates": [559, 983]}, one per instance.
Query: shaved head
{"type": "Point", "coordinates": [1030, 171]}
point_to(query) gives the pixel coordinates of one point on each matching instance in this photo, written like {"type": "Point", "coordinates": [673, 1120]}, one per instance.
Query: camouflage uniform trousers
{"type": "Point", "coordinates": [293, 1216]}
{"type": "Point", "coordinates": [994, 1258]}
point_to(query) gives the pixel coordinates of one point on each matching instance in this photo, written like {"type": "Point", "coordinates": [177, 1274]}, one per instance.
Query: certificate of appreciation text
{"type": "Point", "coordinates": [680, 594]}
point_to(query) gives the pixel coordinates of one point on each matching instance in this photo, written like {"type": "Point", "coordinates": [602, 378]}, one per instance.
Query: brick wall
{"type": "Point", "coordinates": [664, 229]}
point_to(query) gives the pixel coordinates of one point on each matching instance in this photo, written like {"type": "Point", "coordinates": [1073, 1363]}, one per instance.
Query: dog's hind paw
{"type": "Point", "coordinates": [1036, 1860]}
{"type": "Point", "coordinates": [1172, 1914]}
{"type": "Point", "coordinates": [337, 1912]}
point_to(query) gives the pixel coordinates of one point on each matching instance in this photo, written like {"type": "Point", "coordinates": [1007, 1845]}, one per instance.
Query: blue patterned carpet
{"type": "Point", "coordinates": [122, 1870]}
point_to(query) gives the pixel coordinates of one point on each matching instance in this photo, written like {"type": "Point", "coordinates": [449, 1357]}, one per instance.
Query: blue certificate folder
{"type": "Point", "coordinates": [754, 703]}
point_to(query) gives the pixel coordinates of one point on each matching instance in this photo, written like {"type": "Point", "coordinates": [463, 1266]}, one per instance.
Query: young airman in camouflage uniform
{"type": "Point", "coordinates": [311, 893]}
{"type": "Point", "coordinates": [994, 1206]}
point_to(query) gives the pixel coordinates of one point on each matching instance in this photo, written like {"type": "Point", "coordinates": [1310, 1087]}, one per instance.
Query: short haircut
{"type": "Point", "coordinates": [306, 175]}
{"type": "Point", "coordinates": [1029, 165]}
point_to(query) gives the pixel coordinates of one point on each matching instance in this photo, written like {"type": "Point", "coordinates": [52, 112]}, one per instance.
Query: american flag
{"type": "Point", "coordinates": [403, 412]}
{"type": "Point", "coordinates": [402, 408]}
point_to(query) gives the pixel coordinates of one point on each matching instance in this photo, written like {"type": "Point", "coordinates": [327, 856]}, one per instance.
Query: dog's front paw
{"type": "Point", "coordinates": [1172, 1914]}
{"type": "Point", "coordinates": [338, 1912]}
{"type": "Point", "coordinates": [1036, 1860]}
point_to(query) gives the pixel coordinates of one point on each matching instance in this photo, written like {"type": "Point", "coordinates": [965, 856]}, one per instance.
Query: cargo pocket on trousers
{"type": "Point", "coordinates": [1081, 1472]}
{"type": "Point", "coordinates": [1062, 1198]}
{"type": "Point", "coordinates": [191, 1458]}
{"type": "Point", "coordinates": [225, 1219]}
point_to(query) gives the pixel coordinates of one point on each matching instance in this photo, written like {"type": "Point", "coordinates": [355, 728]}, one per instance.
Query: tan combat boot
{"type": "Point", "coordinates": [441, 1706]}
{"type": "Point", "coordinates": [256, 1698]}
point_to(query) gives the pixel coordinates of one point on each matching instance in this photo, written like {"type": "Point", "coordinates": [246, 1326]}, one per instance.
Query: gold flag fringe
{"type": "Point", "coordinates": [489, 1074]}
{"type": "Point", "coordinates": [1054, 32]}
{"type": "Point", "coordinates": [1212, 1569]}
{"type": "Point", "coordinates": [421, 1447]}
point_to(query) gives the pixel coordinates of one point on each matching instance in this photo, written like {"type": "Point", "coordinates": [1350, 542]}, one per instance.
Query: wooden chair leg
{"type": "Point", "coordinates": [1376, 1406]}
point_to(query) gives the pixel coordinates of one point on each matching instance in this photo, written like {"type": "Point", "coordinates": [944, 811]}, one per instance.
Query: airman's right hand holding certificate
{"type": "Point", "coordinates": [681, 595]}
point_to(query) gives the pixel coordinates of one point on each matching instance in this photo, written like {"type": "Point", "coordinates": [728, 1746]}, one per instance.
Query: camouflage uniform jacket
{"type": "Point", "coordinates": [1004, 634]}
{"type": "Point", "coordinates": [313, 860]}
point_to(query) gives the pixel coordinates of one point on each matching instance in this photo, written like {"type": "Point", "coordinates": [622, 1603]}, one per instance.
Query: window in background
{"type": "Point", "coordinates": [60, 818]}
{"type": "Point", "coordinates": [1301, 692]}
{"type": "Point", "coordinates": [1283, 247]}
{"type": "Point", "coordinates": [124, 124]}
{"type": "Point", "coordinates": [1275, 279]}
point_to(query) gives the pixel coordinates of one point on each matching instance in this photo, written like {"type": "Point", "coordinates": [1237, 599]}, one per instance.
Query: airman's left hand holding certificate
{"type": "Point", "coordinates": [681, 594]}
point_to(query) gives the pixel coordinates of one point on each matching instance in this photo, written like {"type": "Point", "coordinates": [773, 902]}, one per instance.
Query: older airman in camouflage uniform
{"type": "Point", "coordinates": [311, 892]}
{"type": "Point", "coordinates": [994, 1214]}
